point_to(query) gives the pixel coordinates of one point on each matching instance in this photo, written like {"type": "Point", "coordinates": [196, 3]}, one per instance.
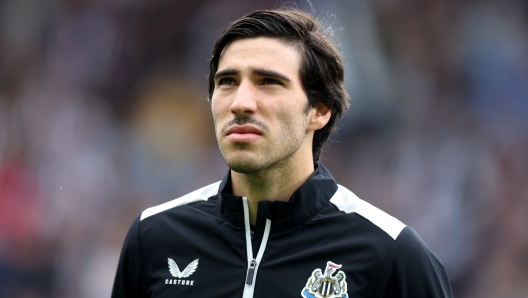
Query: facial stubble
{"type": "Point", "coordinates": [276, 154]}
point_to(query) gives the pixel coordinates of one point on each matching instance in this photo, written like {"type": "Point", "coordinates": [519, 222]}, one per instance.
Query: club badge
{"type": "Point", "coordinates": [327, 284]}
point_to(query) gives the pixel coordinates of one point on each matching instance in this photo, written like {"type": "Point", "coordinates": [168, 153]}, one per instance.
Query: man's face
{"type": "Point", "coordinates": [258, 105]}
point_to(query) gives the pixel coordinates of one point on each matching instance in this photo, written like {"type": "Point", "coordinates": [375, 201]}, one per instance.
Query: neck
{"type": "Point", "coordinates": [277, 183]}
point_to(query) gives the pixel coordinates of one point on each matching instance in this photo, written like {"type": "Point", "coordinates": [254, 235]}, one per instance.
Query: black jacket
{"type": "Point", "coordinates": [324, 242]}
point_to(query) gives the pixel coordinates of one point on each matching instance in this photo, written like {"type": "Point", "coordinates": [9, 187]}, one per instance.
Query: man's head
{"type": "Point", "coordinates": [320, 67]}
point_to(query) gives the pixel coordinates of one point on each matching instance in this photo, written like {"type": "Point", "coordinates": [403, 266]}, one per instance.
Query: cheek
{"type": "Point", "coordinates": [220, 105]}
{"type": "Point", "coordinates": [292, 115]}
{"type": "Point", "coordinates": [221, 114]}
{"type": "Point", "coordinates": [288, 122]}
{"type": "Point", "coordinates": [215, 109]}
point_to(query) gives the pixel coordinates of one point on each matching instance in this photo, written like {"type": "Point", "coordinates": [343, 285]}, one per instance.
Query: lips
{"type": "Point", "coordinates": [246, 129]}
{"type": "Point", "coordinates": [243, 134]}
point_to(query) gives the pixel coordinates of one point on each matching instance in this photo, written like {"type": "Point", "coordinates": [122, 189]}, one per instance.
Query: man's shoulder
{"type": "Point", "coordinates": [346, 201]}
{"type": "Point", "coordinates": [202, 194]}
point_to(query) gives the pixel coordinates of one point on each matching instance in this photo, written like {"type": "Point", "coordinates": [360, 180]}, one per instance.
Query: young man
{"type": "Point", "coordinates": [277, 225]}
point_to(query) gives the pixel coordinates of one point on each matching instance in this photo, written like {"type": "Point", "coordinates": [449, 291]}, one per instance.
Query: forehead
{"type": "Point", "coordinates": [261, 52]}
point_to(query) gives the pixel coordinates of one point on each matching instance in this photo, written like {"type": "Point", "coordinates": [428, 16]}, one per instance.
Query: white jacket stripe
{"type": "Point", "coordinates": [348, 202]}
{"type": "Point", "coordinates": [201, 194]}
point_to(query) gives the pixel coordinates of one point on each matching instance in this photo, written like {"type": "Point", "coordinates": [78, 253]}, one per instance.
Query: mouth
{"type": "Point", "coordinates": [243, 134]}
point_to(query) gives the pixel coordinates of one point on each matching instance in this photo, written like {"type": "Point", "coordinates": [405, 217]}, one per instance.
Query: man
{"type": "Point", "coordinates": [277, 225]}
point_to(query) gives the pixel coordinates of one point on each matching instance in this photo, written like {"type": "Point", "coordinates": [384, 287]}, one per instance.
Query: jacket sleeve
{"type": "Point", "coordinates": [129, 279]}
{"type": "Point", "coordinates": [412, 270]}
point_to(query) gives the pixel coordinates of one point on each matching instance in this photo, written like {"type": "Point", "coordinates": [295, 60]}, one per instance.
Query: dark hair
{"type": "Point", "coordinates": [321, 69]}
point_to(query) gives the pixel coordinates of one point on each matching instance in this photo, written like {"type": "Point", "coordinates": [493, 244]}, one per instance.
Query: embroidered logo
{"type": "Point", "coordinates": [327, 285]}
{"type": "Point", "coordinates": [175, 271]}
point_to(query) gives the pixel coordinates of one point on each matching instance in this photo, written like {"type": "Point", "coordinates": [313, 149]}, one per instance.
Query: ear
{"type": "Point", "coordinates": [319, 117]}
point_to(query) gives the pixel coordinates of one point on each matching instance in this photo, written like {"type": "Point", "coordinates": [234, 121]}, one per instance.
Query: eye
{"type": "Point", "coordinates": [268, 81]}
{"type": "Point", "coordinates": [226, 81]}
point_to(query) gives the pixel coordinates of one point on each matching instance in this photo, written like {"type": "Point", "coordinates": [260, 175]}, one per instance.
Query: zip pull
{"type": "Point", "coordinates": [251, 272]}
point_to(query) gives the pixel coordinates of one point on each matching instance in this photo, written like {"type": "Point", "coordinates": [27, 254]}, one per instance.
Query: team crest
{"type": "Point", "coordinates": [327, 284]}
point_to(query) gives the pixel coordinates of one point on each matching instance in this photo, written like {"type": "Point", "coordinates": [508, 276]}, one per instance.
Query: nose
{"type": "Point", "coordinates": [244, 101]}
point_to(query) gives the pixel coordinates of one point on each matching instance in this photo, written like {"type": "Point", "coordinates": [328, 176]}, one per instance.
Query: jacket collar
{"type": "Point", "coordinates": [305, 202]}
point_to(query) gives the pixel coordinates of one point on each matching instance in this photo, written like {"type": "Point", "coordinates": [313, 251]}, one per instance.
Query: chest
{"type": "Point", "coordinates": [297, 263]}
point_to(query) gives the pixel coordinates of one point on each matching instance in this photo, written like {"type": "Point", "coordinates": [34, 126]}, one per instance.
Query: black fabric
{"type": "Point", "coordinates": [408, 277]}
{"type": "Point", "coordinates": [130, 281]}
{"type": "Point", "coordinates": [306, 232]}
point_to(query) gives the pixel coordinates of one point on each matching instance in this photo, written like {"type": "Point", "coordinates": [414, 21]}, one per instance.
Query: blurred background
{"type": "Point", "coordinates": [104, 112]}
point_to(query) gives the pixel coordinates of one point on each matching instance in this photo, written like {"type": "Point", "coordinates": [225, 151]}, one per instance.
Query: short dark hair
{"type": "Point", "coordinates": [321, 70]}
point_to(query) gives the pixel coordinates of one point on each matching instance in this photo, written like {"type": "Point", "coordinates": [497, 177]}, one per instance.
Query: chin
{"type": "Point", "coordinates": [245, 166]}
{"type": "Point", "coordinates": [242, 161]}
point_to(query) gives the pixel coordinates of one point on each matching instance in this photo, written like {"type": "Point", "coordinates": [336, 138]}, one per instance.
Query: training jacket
{"type": "Point", "coordinates": [323, 242]}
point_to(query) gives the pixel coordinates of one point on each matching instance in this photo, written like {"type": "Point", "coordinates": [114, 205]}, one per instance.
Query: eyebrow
{"type": "Point", "coordinates": [225, 73]}
{"type": "Point", "coordinates": [261, 72]}
{"type": "Point", "coordinates": [270, 73]}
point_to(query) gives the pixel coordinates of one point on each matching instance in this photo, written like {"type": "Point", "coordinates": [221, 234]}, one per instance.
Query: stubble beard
{"type": "Point", "coordinates": [276, 155]}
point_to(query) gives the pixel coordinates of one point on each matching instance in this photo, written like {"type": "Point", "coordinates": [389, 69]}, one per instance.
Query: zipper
{"type": "Point", "coordinates": [253, 263]}
{"type": "Point", "coordinates": [251, 272]}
